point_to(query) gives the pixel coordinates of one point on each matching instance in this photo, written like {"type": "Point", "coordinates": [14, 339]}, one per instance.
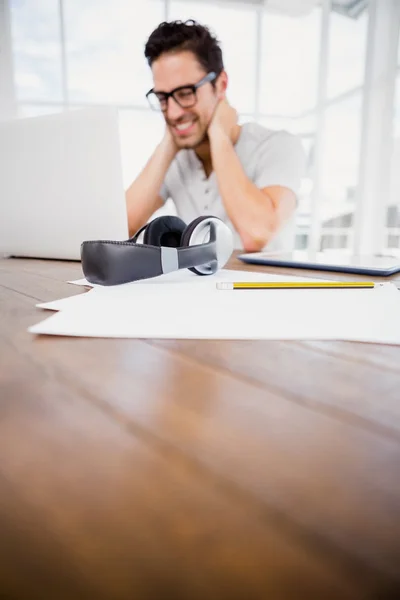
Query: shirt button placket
{"type": "Point", "coordinates": [206, 191]}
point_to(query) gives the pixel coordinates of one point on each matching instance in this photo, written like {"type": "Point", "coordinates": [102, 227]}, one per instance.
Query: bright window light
{"type": "Point", "coordinates": [289, 63]}
{"type": "Point", "coordinates": [235, 27]}
{"type": "Point", "coordinates": [105, 49]}
{"type": "Point", "coordinates": [36, 49]}
{"type": "Point", "coordinates": [347, 52]}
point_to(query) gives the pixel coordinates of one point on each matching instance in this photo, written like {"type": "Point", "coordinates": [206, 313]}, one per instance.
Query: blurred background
{"type": "Point", "coordinates": [326, 70]}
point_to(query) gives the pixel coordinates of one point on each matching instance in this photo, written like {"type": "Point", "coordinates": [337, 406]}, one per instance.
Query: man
{"type": "Point", "coordinates": [206, 162]}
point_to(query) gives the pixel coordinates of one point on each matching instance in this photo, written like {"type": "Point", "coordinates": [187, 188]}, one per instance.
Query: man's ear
{"type": "Point", "coordinates": [222, 84]}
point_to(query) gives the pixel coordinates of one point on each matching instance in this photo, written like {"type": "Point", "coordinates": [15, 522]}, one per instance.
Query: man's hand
{"type": "Point", "coordinates": [168, 144]}
{"type": "Point", "coordinates": [224, 120]}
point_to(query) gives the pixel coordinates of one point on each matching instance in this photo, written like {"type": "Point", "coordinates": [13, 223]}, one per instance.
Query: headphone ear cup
{"type": "Point", "coordinates": [186, 235]}
{"type": "Point", "coordinates": [164, 231]}
{"type": "Point", "coordinates": [198, 232]}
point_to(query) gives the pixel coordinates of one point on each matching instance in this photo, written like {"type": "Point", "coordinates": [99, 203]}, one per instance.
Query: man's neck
{"type": "Point", "coordinates": [203, 151]}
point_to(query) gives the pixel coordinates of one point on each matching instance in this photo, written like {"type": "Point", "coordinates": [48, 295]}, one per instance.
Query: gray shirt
{"type": "Point", "coordinates": [268, 158]}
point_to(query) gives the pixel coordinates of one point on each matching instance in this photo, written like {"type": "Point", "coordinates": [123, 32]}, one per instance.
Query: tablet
{"type": "Point", "coordinates": [379, 265]}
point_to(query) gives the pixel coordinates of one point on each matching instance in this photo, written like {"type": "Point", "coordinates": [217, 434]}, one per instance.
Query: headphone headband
{"type": "Point", "coordinates": [116, 262]}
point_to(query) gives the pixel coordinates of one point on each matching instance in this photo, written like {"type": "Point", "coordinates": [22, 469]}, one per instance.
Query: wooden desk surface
{"type": "Point", "coordinates": [192, 470]}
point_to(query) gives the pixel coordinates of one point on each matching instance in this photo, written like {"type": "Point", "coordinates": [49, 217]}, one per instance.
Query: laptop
{"type": "Point", "coordinates": [60, 183]}
{"type": "Point", "coordinates": [339, 261]}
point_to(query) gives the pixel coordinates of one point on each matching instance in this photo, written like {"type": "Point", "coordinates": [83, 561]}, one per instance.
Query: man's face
{"type": "Point", "coordinates": [187, 125]}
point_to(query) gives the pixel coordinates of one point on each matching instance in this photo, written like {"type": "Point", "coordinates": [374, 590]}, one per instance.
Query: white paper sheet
{"type": "Point", "coordinates": [182, 278]}
{"type": "Point", "coordinates": [184, 305]}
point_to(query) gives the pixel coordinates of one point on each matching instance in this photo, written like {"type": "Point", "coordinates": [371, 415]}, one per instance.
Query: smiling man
{"type": "Point", "coordinates": [207, 163]}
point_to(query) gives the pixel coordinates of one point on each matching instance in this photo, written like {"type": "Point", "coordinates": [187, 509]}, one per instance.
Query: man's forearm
{"type": "Point", "coordinates": [250, 210]}
{"type": "Point", "coordinates": [143, 195]}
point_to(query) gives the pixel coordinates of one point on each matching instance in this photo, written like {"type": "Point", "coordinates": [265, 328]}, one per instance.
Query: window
{"type": "Point", "coordinates": [35, 32]}
{"type": "Point", "coordinates": [398, 56]}
{"type": "Point", "coordinates": [393, 215]}
{"type": "Point", "coordinates": [304, 126]}
{"type": "Point", "coordinates": [396, 121]}
{"type": "Point", "coordinates": [105, 49]}
{"type": "Point", "coordinates": [340, 170]}
{"type": "Point", "coordinates": [34, 110]}
{"type": "Point", "coordinates": [342, 148]}
{"type": "Point", "coordinates": [347, 52]}
{"type": "Point", "coordinates": [235, 27]}
{"type": "Point", "coordinates": [105, 63]}
{"type": "Point", "coordinates": [289, 63]}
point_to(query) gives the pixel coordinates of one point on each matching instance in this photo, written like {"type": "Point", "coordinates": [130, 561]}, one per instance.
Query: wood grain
{"type": "Point", "coordinates": [330, 383]}
{"type": "Point", "coordinates": [88, 510]}
{"type": "Point", "coordinates": [133, 469]}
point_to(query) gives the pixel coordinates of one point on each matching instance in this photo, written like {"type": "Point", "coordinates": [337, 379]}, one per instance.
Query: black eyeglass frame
{"type": "Point", "coordinates": [166, 95]}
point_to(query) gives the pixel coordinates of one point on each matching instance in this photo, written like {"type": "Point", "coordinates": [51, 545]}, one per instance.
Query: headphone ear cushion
{"type": "Point", "coordinates": [186, 235]}
{"type": "Point", "coordinates": [164, 231]}
{"type": "Point", "coordinates": [186, 238]}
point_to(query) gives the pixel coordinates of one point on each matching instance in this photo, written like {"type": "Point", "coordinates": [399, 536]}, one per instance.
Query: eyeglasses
{"type": "Point", "coordinates": [184, 95]}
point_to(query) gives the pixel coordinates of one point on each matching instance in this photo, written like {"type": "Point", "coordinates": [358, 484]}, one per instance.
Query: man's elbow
{"type": "Point", "coordinates": [254, 245]}
{"type": "Point", "coordinates": [256, 238]}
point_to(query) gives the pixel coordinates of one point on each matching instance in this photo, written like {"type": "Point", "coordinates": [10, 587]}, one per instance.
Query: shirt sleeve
{"type": "Point", "coordinates": [281, 160]}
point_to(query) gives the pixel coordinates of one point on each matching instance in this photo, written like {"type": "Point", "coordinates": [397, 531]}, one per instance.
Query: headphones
{"type": "Point", "coordinates": [203, 247]}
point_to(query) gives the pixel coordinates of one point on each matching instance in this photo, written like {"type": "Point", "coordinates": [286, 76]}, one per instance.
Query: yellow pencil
{"type": "Point", "coordinates": [264, 285]}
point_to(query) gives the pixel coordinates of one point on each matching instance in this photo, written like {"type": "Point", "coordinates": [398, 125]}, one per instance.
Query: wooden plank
{"type": "Point", "coordinates": [61, 270]}
{"type": "Point", "coordinates": [384, 357]}
{"type": "Point", "coordinates": [88, 511]}
{"type": "Point", "coordinates": [312, 469]}
{"type": "Point", "coordinates": [302, 467]}
{"type": "Point", "coordinates": [91, 508]}
{"type": "Point", "coordinates": [330, 384]}
{"type": "Point", "coordinates": [39, 287]}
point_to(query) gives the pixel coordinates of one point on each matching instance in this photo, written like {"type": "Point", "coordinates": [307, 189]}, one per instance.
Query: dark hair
{"type": "Point", "coordinates": [177, 36]}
